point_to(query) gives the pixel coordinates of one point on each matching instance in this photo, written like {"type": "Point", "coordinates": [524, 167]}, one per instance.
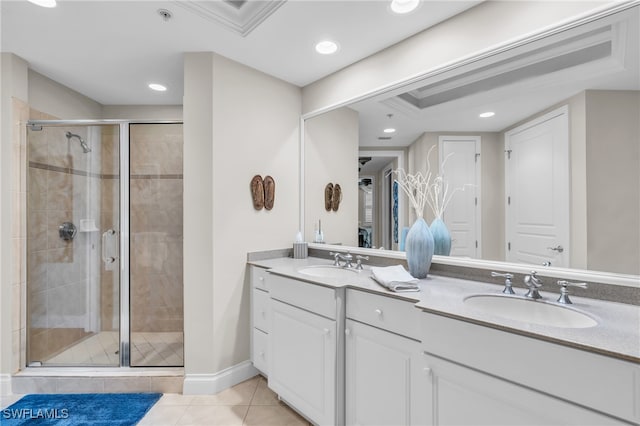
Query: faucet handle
{"type": "Point", "coordinates": [336, 258]}
{"type": "Point", "coordinates": [359, 260]}
{"type": "Point", "coordinates": [508, 284]}
{"type": "Point", "coordinates": [564, 291]}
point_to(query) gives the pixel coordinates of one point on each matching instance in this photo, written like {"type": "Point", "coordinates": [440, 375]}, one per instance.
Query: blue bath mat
{"type": "Point", "coordinates": [94, 409]}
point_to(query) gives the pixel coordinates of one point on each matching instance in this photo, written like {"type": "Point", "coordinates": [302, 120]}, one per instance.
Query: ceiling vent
{"type": "Point", "coordinates": [239, 16]}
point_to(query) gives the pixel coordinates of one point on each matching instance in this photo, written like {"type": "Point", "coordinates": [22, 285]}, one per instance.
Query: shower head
{"type": "Point", "coordinates": [85, 147]}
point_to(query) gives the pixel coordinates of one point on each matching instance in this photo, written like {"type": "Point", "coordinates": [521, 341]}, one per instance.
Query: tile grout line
{"type": "Point", "coordinates": [253, 395]}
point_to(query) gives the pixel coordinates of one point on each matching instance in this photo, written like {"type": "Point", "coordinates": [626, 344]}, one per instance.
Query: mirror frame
{"type": "Point", "coordinates": [562, 273]}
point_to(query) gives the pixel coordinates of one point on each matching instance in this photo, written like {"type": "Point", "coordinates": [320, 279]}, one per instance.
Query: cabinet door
{"type": "Point", "coordinates": [462, 396]}
{"type": "Point", "coordinates": [302, 361]}
{"type": "Point", "coordinates": [381, 376]}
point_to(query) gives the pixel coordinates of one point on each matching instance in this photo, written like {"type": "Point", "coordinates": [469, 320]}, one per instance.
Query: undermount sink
{"type": "Point", "coordinates": [531, 311]}
{"type": "Point", "coordinates": [328, 271]}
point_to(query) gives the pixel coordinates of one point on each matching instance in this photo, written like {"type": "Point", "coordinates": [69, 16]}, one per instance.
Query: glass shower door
{"type": "Point", "coordinates": [155, 211]}
{"type": "Point", "coordinates": [73, 214]}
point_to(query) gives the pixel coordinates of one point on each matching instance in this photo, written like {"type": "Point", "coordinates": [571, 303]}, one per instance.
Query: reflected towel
{"type": "Point", "coordinates": [395, 278]}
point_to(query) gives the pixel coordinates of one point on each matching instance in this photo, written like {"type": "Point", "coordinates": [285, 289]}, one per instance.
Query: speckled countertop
{"type": "Point", "coordinates": [617, 333]}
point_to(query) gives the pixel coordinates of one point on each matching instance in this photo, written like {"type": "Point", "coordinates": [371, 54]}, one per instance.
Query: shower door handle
{"type": "Point", "coordinates": [109, 246]}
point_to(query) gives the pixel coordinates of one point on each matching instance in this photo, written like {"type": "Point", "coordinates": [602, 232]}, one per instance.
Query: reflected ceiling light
{"type": "Point", "coordinates": [157, 87]}
{"type": "Point", "coordinates": [404, 6]}
{"type": "Point", "coordinates": [390, 129]}
{"type": "Point", "coordinates": [44, 3]}
{"type": "Point", "coordinates": [487, 114]}
{"type": "Point", "coordinates": [326, 47]}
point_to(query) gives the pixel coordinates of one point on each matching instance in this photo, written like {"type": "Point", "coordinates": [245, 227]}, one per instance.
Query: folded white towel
{"type": "Point", "coordinates": [395, 278]}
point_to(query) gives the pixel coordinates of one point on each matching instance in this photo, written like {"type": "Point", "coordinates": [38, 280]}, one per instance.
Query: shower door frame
{"type": "Point", "coordinates": [123, 213]}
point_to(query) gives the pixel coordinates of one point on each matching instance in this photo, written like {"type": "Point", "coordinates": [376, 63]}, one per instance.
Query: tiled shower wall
{"type": "Point", "coordinates": [109, 219]}
{"type": "Point", "coordinates": [19, 116]}
{"type": "Point", "coordinates": [156, 228]}
{"type": "Point", "coordinates": [63, 291]}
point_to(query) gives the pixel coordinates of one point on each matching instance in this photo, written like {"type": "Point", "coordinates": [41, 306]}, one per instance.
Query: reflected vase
{"type": "Point", "coordinates": [441, 237]}
{"type": "Point", "coordinates": [419, 249]}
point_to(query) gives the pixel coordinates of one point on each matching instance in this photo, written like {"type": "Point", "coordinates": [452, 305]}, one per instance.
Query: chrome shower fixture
{"type": "Point", "coordinates": [84, 145]}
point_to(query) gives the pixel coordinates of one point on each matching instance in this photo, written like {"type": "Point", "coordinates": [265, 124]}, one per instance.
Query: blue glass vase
{"type": "Point", "coordinates": [419, 249]}
{"type": "Point", "coordinates": [441, 238]}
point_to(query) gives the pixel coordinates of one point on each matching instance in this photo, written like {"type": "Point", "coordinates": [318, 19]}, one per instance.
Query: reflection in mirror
{"type": "Point", "coordinates": [379, 203]}
{"type": "Point", "coordinates": [555, 170]}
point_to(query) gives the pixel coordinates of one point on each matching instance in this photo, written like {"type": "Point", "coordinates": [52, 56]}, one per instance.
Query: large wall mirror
{"type": "Point", "coordinates": [552, 176]}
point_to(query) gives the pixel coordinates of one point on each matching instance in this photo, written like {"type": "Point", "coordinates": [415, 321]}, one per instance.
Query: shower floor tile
{"type": "Point", "coordinates": [162, 349]}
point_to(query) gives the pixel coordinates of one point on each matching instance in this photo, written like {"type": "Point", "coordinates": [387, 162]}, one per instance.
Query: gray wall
{"type": "Point", "coordinates": [331, 155]}
{"type": "Point", "coordinates": [613, 181]}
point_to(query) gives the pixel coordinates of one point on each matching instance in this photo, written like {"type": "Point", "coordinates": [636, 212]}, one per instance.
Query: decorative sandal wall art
{"type": "Point", "coordinates": [257, 192]}
{"type": "Point", "coordinates": [337, 197]}
{"type": "Point", "coordinates": [328, 197]}
{"type": "Point", "coordinates": [263, 192]}
{"type": "Point", "coordinates": [332, 197]}
{"type": "Point", "coordinates": [269, 192]}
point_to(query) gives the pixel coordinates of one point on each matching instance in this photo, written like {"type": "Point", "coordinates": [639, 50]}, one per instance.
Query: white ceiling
{"type": "Point", "coordinates": [514, 101]}
{"type": "Point", "coordinates": [110, 50]}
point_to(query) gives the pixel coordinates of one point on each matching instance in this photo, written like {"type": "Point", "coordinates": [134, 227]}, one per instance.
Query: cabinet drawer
{"type": "Point", "coordinates": [398, 316]}
{"type": "Point", "coordinates": [261, 310]}
{"type": "Point", "coordinates": [311, 297]}
{"type": "Point", "coordinates": [259, 355]}
{"type": "Point", "coordinates": [259, 278]}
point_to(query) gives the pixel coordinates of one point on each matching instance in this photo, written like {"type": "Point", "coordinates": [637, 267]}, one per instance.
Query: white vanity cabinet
{"type": "Point", "coordinates": [383, 360]}
{"type": "Point", "coordinates": [260, 318]}
{"type": "Point", "coordinates": [305, 366]}
{"type": "Point", "coordinates": [478, 375]}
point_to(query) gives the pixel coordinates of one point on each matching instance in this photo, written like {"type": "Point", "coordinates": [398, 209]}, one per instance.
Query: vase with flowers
{"type": "Point", "coordinates": [419, 242]}
{"type": "Point", "coordinates": [423, 241]}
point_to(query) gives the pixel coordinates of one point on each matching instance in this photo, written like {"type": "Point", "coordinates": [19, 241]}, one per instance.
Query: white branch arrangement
{"type": "Point", "coordinates": [427, 188]}
{"type": "Point", "coordinates": [416, 187]}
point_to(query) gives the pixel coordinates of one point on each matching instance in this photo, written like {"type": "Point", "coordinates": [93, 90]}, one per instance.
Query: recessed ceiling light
{"type": "Point", "coordinates": [44, 3]}
{"type": "Point", "coordinates": [389, 130]}
{"type": "Point", "coordinates": [404, 6]}
{"type": "Point", "coordinates": [487, 114]}
{"type": "Point", "coordinates": [326, 47]}
{"type": "Point", "coordinates": [157, 87]}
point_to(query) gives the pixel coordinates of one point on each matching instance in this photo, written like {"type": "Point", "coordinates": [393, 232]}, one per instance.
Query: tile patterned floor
{"type": "Point", "coordinates": [250, 403]}
{"type": "Point", "coordinates": [147, 350]}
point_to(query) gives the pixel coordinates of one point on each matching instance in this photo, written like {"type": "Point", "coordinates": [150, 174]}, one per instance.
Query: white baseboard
{"type": "Point", "coordinates": [5, 384]}
{"type": "Point", "coordinates": [208, 384]}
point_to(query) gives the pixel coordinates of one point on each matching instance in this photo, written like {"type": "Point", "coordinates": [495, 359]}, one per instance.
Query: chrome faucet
{"type": "Point", "coordinates": [533, 283]}
{"type": "Point", "coordinates": [508, 289]}
{"type": "Point", "coordinates": [346, 258]}
{"type": "Point", "coordinates": [359, 260]}
{"type": "Point", "coordinates": [564, 291]}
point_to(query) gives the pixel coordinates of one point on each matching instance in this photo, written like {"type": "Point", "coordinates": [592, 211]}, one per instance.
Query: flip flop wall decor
{"type": "Point", "coordinates": [332, 197]}
{"type": "Point", "coordinates": [257, 192]}
{"type": "Point", "coordinates": [263, 192]}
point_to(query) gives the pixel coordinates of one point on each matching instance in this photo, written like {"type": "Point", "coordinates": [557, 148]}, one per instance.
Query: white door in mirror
{"type": "Point", "coordinates": [537, 190]}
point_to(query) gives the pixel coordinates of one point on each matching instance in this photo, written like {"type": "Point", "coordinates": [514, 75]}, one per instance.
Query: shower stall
{"type": "Point", "coordinates": [104, 244]}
